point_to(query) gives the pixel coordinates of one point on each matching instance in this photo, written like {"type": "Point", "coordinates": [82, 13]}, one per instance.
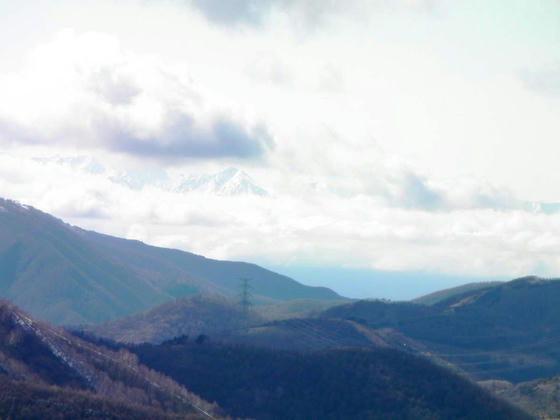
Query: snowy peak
{"type": "Point", "coordinates": [229, 182]}
{"type": "Point", "coordinates": [83, 163]}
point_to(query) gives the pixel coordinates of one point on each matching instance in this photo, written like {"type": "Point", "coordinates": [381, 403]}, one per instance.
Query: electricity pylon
{"type": "Point", "coordinates": [245, 294]}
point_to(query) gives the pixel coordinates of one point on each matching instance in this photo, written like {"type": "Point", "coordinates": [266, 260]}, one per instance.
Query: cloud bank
{"type": "Point", "coordinates": [85, 91]}
{"type": "Point", "coordinates": [387, 134]}
{"type": "Point", "coordinates": [444, 231]}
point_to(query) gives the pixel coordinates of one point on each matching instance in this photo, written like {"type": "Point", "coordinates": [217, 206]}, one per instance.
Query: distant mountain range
{"type": "Point", "coordinates": [67, 275]}
{"type": "Point", "coordinates": [229, 182]}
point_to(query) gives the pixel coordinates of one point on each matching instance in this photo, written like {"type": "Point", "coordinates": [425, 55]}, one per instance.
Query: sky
{"type": "Point", "coordinates": [383, 136]}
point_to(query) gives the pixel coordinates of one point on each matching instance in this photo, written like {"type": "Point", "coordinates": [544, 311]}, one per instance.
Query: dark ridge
{"type": "Point", "coordinates": [25, 347]}
{"type": "Point", "coordinates": [36, 353]}
{"type": "Point", "coordinates": [369, 383]}
{"type": "Point", "coordinates": [508, 331]}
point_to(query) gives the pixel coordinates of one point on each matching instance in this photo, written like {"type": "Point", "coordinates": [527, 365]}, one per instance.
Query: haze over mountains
{"type": "Point", "coordinates": [230, 181]}
{"type": "Point", "coordinates": [280, 210]}
{"type": "Point", "coordinates": [67, 275]}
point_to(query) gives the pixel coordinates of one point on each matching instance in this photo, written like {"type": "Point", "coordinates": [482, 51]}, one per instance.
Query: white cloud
{"type": "Point", "coordinates": [304, 14]}
{"type": "Point", "coordinates": [388, 134]}
{"type": "Point", "coordinates": [85, 91]}
{"type": "Point", "coordinates": [316, 227]}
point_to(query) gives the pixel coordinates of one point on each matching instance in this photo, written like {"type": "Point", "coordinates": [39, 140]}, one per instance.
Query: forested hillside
{"type": "Point", "coordinates": [440, 295]}
{"type": "Point", "coordinates": [28, 401]}
{"type": "Point", "coordinates": [35, 353]}
{"type": "Point", "coordinates": [508, 331]}
{"type": "Point", "coordinates": [355, 383]}
{"type": "Point", "coordinates": [540, 396]}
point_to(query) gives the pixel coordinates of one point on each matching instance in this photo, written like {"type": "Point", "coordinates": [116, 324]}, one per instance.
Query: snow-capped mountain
{"type": "Point", "coordinates": [136, 179]}
{"type": "Point", "coordinates": [228, 182]}
{"type": "Point", "coordinates": [83, 163]}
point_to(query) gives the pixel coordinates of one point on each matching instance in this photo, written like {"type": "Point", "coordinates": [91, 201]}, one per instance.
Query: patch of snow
{"type": "Point", "coordinates": [138, 178]}
{"type": "Point", "coordinates": [229, 182]}
{"type": "Point", "coordinates": [28, 324]}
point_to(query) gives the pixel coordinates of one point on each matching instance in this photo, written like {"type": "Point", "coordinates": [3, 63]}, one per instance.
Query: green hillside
{"type": "Point", "coordinates": [66, 275]}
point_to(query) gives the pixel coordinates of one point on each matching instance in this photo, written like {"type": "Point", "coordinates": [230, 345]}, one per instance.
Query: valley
{"type": "Point", "coordinates": [279, 210]}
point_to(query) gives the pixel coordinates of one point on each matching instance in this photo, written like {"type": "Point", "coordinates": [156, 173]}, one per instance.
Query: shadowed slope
{"type": "Point", "coordinates": [27, 401]}
{"type": "Point", "coordinates": [38, 354]}
{"type": "Point", "coordinates": [508, 331]}
{"type": "Point", "coordinates": [333, 384]}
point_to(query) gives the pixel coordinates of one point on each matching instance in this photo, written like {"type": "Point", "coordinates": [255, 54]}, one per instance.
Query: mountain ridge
{"type": "Point", "coordinates": [508, 331]}
{"type": "Point", "coordinates": [68, 275]}
{"type": "Point", "coordinates": [37, 354]}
